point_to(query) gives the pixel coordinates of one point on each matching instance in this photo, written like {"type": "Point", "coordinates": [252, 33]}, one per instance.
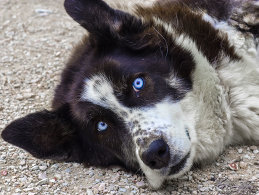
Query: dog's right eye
{"type": "Point", "coordinates": [102, 126]}
{"type": "Point", "coordinates": [138, 84]}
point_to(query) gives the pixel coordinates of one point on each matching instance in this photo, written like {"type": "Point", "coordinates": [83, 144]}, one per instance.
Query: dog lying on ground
{"type": "Point", "coordinates": [158, 88]}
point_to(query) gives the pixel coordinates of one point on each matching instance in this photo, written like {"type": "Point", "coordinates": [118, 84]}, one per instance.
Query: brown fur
{"type": "Point", "coordinates": [184, 20]}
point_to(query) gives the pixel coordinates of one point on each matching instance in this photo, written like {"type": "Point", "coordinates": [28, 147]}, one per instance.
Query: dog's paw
{"type": "Point", "coordinates": [246, 17]}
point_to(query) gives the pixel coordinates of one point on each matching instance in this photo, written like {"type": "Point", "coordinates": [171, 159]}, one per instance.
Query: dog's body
{"type": "Point", "coordinates": [159, 89]}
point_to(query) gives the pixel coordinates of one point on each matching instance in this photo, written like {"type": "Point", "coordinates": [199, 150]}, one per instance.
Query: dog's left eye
{"type": "Point", "coordinates": [102, 126]}
{"type": "Point", "coordinates": [138, 84]}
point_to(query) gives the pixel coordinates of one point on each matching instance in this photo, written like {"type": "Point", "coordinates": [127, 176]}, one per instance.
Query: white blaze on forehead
{"type": "Point", "coordinates": [98, 90]}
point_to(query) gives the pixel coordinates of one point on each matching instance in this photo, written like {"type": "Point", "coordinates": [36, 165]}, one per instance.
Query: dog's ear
{"type": "Point", "coordinates": [46, 134]}
{"type": "Point", "coordinates": [100, 19]}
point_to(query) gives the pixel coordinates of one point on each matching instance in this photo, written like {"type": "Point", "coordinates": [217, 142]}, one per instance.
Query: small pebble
{"type": "Point", "coordinates": [101, 187]}
{"type": "Point", "coordinates": [19, 97]}
{"type": "Point", "coordinates": [55, 166]}
{"type": "Point", "coordinates": [53, 180]}
{"type": "Point", "coordinates": [89, 192]}
{"type": "Point", "coordinates": [4, 173]}
{"type": "Point", "coordinates": [43, 181]}
{"type": "Point", "coordinates": [28, 95]}
{"type": "Point", "coordinates": [22, 162]}
{"type": "Point", "coordinates": [97, 181]}
{"type": "Point", "coordinates": [42, 176]}
{"type": "Point", "coordinates": [204, 189]}
{"type": "Point", "coordinates": [247, 157]}
{"type": "Point", "coordinates": [233, 166]}
{"type": "Point", "coordinates": [253, 147]}
{"type": "Point", "coordinates": [140, 184]}
{"type": "Point", "coordinates": [243, 165]}
{"type": "Point", "coordinates": [43, 168]}
{"type": "Point", "coordinates": [28, 189]}
{"type": "Point", "coordinates": [43, 12]}
{"type": "Point", "coordinates": [240, 150]}
{"type": "Point", "coordinates": [122, 190]}
{"type": "Point", "coordinates": [58, 176]}
{"type": "Point", "coordinates": [68, 170]}
{"type": "Point", "coordinates": [255, 151]}
{"type": "Point", "coordinates": [34, 168]}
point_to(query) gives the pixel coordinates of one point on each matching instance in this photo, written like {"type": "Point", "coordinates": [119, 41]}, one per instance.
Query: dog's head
{"type": "Point", "coordinates": [119, 100]}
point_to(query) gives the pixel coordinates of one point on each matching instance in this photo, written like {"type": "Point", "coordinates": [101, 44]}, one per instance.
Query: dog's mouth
{"type": "Point", "coordinates": [177, 168]}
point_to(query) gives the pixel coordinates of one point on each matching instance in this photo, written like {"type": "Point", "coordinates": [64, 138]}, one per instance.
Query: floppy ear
{"type": "Point", "coordinates": [98, 18]}
{"type": "Point", "coordinates": [46, 134]}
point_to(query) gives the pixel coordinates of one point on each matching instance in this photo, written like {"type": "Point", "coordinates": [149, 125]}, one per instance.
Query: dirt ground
{"type": "Point", "coordinates": [36, 39]}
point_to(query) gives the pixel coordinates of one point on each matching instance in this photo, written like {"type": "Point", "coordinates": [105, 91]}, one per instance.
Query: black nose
{"type": "Point", "coordinates": [157, 155]}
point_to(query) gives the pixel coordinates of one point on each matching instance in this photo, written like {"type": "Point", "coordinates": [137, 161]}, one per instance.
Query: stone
{"type": "Point", "coordinates": [243, 165]}
{"type": "Point", "coordinates": [247, 157]}
{"type": "Point", "coordinates": [233, 166]}
{"type": "Point", "coordinates": [43, 168]}
{"type": "Point", "coordinates": [89, 192]}
{"type": "Point", "coordinates": [22, 162]}
{"type": "Point", "coordinates": [68, 170]}
{"type": "Point", "coordinates": [101, 187]}
{"type": "Point", "coordinates": [204, 189]}
{"type": "Point", "coordinates": [34, 168]}
{"type": "Point", "coordinates": [123, 190]}
{"type": "Point", "coordinates": [28, 95]}
{"type": "Point", "coordinates": [58, 176]}
{"type": "Point", "coordinates": [140, 184]}
{"type": "Point", "coordinates": [43, 12]}
{"type": "Point", "coordinates": [4, 173]}
{"type": "Point", "coordinates": [19, 97]}
{"type": "Point", "coordinates": [42, 176]}
{"type": "Point", "coordinates": [253, 147]}
{"type": "Point", "coordinates": [53, 180]}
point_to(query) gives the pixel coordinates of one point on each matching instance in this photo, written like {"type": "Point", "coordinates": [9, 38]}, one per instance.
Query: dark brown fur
{"type": "Point", "coordinates": [184, 20]}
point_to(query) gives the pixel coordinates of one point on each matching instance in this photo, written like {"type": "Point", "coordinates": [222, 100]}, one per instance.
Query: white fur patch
{"type": "Point", "coordinates": [244, 43]}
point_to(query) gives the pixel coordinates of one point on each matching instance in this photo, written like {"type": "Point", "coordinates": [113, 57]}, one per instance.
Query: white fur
{"type": "Point", "coordinates": [244, 43]}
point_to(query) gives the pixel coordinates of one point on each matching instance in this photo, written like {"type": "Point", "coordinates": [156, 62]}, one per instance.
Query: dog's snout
{"type": "Point", "coordinates": [157, 155]}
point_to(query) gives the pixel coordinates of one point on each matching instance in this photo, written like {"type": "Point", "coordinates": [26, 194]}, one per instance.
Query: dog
{"type": "Point", "coordinates": [159, 88]}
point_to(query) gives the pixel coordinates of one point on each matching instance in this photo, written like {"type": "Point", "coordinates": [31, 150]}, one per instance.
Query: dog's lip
{"type": "Point", "coordinates": [177, 168]}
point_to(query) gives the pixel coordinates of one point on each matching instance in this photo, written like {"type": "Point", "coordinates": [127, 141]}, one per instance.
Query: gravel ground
{"type": "Point", "coordinates": [36, 38]}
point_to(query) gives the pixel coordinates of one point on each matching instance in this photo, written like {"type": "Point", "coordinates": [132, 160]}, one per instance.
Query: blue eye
{"type": "Point", "coordinates": [102, 126]}
{"type": "Point", "coordinates": [138, 83]}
